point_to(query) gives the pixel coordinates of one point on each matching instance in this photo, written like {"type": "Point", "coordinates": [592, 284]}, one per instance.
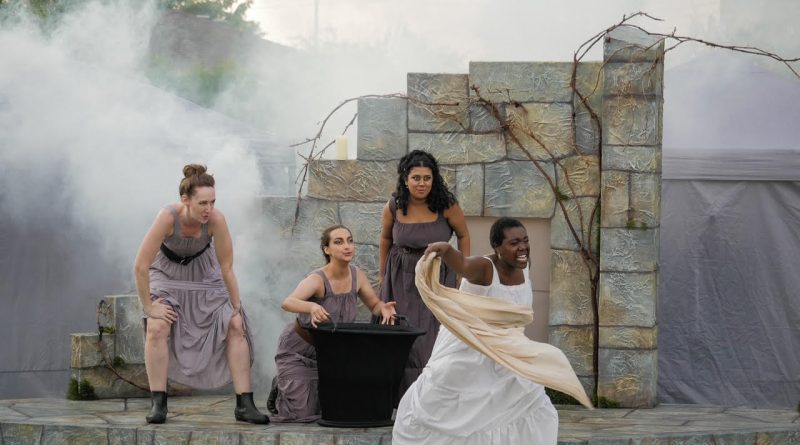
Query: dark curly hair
{"type": "Point", "coordinates": [498, 231]}
{"type": "Point", "coordinates": [440, 197]}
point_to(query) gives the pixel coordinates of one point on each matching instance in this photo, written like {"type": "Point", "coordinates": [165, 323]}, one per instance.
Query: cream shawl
{"type": "Point", "coordinates": [495, 327]}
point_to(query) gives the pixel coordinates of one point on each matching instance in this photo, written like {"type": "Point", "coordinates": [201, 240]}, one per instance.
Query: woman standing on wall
{"type": "Point", "coordinates": [428, 212]}
{"type": "Point", "coordinates": [196, 330]}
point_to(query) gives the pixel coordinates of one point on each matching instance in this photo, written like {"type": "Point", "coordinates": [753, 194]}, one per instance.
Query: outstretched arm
{"type": "Point", "coordinates": [476, 270]}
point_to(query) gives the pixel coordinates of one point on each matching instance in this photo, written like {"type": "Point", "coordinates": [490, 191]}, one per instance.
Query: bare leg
{"type": "Point", "coordinates": [156, 354]}
{"type": "Point", "coordinates": [238, 355]}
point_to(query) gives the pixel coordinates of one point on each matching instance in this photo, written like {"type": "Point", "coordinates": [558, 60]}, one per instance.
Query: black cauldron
{"type": "Point", "coordinates": [359, 366]}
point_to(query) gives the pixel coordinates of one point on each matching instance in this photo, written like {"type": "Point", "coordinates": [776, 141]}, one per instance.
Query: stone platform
{"type": "Point", "coordinates": [200, 420]}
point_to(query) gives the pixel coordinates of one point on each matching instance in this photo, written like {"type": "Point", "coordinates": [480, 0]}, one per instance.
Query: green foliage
{"type": "Point", "coordinates": [118, 362]}
{"type": "Point", "coordinates": [231, 12]}
{"type": "Point", "coordinates": [561, 196]}
{"type": "Point", "coordinates": [643, 225]}
{"type": "Point", "coordinates": [603, 402]}
{"type": "Point", "coordinates": [631, 224]}
{"type": "Point", "coordinates": [82, 390]}
{"type": "Point", "coordinates": [559, 398]}
{"type": "Point", "coordinates": [200, 84]}
{"type": "Point", "coordinates": [107, 330]}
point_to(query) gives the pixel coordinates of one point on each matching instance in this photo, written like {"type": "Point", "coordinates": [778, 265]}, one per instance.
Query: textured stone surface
{"type": "Point", "coordinates": [587, 130]}
{"type": "Point", "coordinates": [579, 176]}
{"type": "Point", "coordinates": [628, 299]}
{"type": "Point", "coordinates": [778, 437]}
{"type": "Point", "coordinates": [645, 200]}
{"type": "Point", "coordinates": [482, 117]}
{"type": "Point", "coordinates": [634, 78]}
{"type": "Point", "coordinates": [129, 344]}
{"type": "Point", "coordinates": [627, 44]}
{"type": "Point", "coordinates": [616, 199]}
{"type": "Point", "coordinates": [632, 120]}
{"type": "Point", "coordinates": [576, 343]}
{"type": "Point", "coordinates": [544, 129]}
{"type": "Point", "coordinates": [628, 376]}
{"type": "Point", "coordinates": [432, 91]}
{"type": "Point", "coordinates": [364, 181]}
{"type": "Point", "coordinates": [172, 437]}
{"type": "Point", "coordinates": [469, 189]}
{"type": "Point", "coordinates": [121, 436]}
{"type": "Point", "coordinates": [278, 214]}
{"type": "Point", "coordinates": [296, 438]}
{"type": "Point", "coordinates": [522, 81]}
{"type": "Point", "coordinates": [367, 259]}
{"type": "Point", "coordinates": [315, 216]}
{"type": "Point", "coordinates": [628, 250]}
{"type": "Point", "coordinates": [590, 84]}
{"type": "Point", "coordinates": [74, 435]}
{"type": "Point", "coordinates": [21, 433]}
{"type": "Point", "coordinates": [622, 337]}
{"type": "Point", "coordinates": [86, 352]}
{"type": "Point", "coordinates": [456, 148]}
{"type": "Point", "coordinates": [579, 212]}
{"type": "Point", "coordinates": [363, 220]}
{"type": "Point", "coordinates": [107, 385]}
{"type": "Point", "coordinates": [382, 128]}
{"type": "Point", "coordinates": [632, 158]}
{"type": "Point", "coordinates": [517, 188]}
{"type": "Point", "coordinates": [259, 438]}
{"type": "Point", "coordinates": [570, 290]}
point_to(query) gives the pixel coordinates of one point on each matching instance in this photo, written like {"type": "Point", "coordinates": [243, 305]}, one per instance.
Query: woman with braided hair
{"type": "Point", "coordinates": [196, 332]}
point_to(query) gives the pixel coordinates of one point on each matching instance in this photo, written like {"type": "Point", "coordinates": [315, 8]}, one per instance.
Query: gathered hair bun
{"type": "Point", "coordinates": [193, 169]}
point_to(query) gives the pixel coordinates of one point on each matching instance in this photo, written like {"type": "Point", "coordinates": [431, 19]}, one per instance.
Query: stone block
{"type": "Point", "coordinates": [628, 377]}
{"type": "Point", "coordinates": [278, 214]}
{"type": "Point", "coordinates": [579, 176]}
{"type": "Point", "coordinates": [437, 102]}
{"type": "Point", "coordinates": [19, 433]}
{"type": "Point", "coordinates": [623, 250]}
{"type": "Point", "coordinates": [482, 117]}
{"type": "Point", "coordinates": [177, 437]}
{"type": "Point", "coordinates": [629, 44]}
{"type": "Point", "coordinates": [634, 79]}
{"type": "Point", "coordinates": [616, 197]}
{"type": "Point", "coordinates": [367, 259]}
{"type": "Point", "coordinates": [632, 120]}
{"type": "Point", "coordinates": [74, 435]}
{"type": "Point", "coordinates": [364, 181]}
{"type": "Point", "coordinates": [86, 352]}
{"type": "Point", "coordinates": [129, 328]}
{"type": "Point", "coordinates": [518, 189]}
{"type": "Point", "coordinates": [581, 212]}
{"type": "Point", "coordinates": [363, 220]}
{"type": "Point", "coordinates": [589, 82]}
{"type": "Point", "coordinates": [587, 130]}
{"type": "Point", "coordinates": [310, 438]}
{"type": "Point", "coordinates": [469, 189]}
{"type": "Point", "coordinates": [382, 128]}
{"type": "Point", "coordinates": [214, 437]}
{"type": "Point", "coordinates": [359, 439]}
{"type": "Point", "coordinates": [521, 81]}
{"type": "Point", "coordinates": [259, 438]}
{"type": "Point", "coordinates": [121, 436]}
{"type": "Point", "coordinates": [456, 148]}
{"type": "Point", "coordinates": [632, 158]}
{"type": "Point", "coordinates": [108, 386]}
{"type": "Point", "coordinates": [570, 290]}
{"type": "Point", "coordinates": [778, 437]}
{"type": "Point", "coordinates": [448, 173]}
{"type": "Point", "coordinates": [645, 199]}
{"type": "Point", "coordinates": [576, 343]}
{"type": "Point", "coordinates": [544, 129]}
{"type": "Point", "coordinates": [623, 337]}
{"type": "Point", "coordinates": [628, 299]}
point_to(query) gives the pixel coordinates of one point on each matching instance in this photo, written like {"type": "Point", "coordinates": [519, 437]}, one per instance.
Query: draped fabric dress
{"type": "Point", "coordinates": [198, 295]}
{"type": "Point", "coordinates": [408, 244]}
{"type": "Point", "coordinates": [465, 397]}
{"type": "Point", "coordinates": [296, 359]}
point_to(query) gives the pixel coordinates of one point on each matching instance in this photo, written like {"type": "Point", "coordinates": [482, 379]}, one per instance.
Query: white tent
{"type": "Point", "coordinates": [729, 309]}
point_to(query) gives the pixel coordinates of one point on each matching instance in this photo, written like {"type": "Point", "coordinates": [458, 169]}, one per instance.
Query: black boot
{"type": "Point", "coordinates": [246, 410]}
{"type": "Point", "coordinates": [158, 409]}
{"type": "Point", "coordinates": [273, 397]}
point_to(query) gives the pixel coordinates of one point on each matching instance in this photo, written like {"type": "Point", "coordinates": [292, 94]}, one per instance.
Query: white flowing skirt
{"type": "Point", "coordinates": [464, 397]}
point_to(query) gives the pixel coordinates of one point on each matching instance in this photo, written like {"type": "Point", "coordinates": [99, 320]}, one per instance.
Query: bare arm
{"type": "Point", "coordinates": [223, 244]}
{"type": "Point", "coordinates": [367, 295]}
{"type": "Point", "coordinates": [386, 239]}
{"type": "Point", "coordinates": [455, 217]}
{"type": "Point", "coordinates": [297, 301]}
{"type": "Point", "coordinates": [476, 270]}
{"type": "Point", "coordinates": [148, 249]}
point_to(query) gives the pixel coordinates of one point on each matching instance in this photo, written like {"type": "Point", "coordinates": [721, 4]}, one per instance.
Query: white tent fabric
{"type": "Point", "coordinates": [729, 304]}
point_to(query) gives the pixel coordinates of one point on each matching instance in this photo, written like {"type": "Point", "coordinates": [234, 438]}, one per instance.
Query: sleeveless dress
{"type": "Point", "coordinates": [296, 359]}
{"type": "Point", "coordinates": [409, 241]}
{"type": "Point", "coordinates": [464, 397]}
{"type": "Point", "coordinates": [197, 340]}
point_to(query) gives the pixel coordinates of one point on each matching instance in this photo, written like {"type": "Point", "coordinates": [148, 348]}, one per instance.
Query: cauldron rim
{"type": "Point", "coordinates": [366, 329]}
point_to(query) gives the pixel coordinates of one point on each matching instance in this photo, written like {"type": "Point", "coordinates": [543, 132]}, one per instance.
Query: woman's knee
{"type": "Point", "coordinates": [236, 325]}
{"type": "Point", "coordinates": [157, 329]}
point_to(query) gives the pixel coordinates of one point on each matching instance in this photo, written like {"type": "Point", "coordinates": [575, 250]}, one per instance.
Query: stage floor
{"type": "Point", "coordinates": [200, 420]}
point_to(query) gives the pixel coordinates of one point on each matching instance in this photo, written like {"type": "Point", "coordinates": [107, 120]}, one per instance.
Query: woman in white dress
{"type": "Point", "coordinates": [463, 396]}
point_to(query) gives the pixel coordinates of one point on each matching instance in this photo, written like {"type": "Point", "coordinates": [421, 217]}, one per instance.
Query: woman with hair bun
{"type": "Point", "coordinates": [428, 212]}
{"type": "Point", "coordinates": [196, 332]}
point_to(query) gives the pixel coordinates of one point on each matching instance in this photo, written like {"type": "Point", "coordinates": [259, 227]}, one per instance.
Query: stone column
{"type": "Point", "coordinates": [631, 190]}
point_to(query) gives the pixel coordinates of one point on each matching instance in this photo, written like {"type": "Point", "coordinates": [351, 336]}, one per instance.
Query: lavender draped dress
{"type": "Point", "coordinates": [197, 340]}
{"type": "Point", "coordinates": [296, 359]}
{"type": "Point", "coordinates": [409, 241]}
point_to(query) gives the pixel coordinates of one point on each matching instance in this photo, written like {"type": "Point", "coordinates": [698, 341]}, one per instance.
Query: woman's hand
{"type": "Point", "coordinates": [318, 314]}
{"type": "Point", "coordinates": [159, 309]}
{"type": "Point", "coordinates": [388, 312]}
{"type": "Point", "coordinates": [440, 248]}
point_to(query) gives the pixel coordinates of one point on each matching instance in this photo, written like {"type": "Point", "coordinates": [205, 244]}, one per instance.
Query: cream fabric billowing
{"type": "Point", "coordinates": [495, 328]}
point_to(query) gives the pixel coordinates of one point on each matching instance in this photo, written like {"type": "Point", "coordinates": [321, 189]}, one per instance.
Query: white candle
{"type": "Point", "coordinates": [341, 147]}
